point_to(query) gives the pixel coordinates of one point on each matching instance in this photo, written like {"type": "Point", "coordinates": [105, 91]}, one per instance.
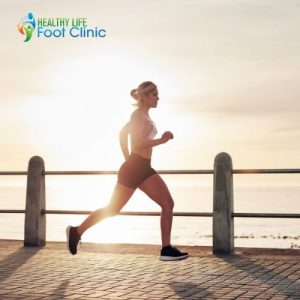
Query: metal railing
{"type": "Point", "coordinates": [266, 215]}
{"type": "Point", "coordinates": [36, 172]}
{"type": "Point", "coordinates": [124, 213]}
{"type": "Point", "coordinates": [162, 172]}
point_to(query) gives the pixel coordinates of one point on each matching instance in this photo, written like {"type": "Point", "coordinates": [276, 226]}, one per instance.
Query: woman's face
{"type": "Point", "coordinates": [151, 99]}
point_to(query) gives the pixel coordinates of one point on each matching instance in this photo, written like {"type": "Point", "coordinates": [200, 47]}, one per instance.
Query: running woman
{"type": "Point", "coordinates": [136, 172]}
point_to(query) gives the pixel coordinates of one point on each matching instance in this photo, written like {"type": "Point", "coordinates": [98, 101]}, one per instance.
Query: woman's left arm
{"type": "Point", "coordinates": [123, 139]}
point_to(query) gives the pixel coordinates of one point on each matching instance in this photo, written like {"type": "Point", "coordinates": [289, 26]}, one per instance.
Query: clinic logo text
{"type": "Point", "coordinates": [58, 28]}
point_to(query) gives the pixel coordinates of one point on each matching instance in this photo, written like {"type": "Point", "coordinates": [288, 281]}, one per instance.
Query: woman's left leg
{"type": "Point", "coordinates": [157, 190]}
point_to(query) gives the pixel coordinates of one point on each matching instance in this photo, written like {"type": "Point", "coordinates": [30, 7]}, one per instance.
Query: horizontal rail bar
{"type": "Point", "coordinates": [12, 211]}
{"type": "Point", "coordinates": [80, 172]}
{"type": "Point", "coordinates": [180, 214]}
{"type": "Point", "coordinates": [13, 173]}
{"type": "Point", "coordinates": [128, 213]}
{"type": "Point", "coordinates": [147, 213]}
{"type": "Point", "coordinates": [168, 172]}
{"type": "Point", "coordinates": [266, 215]}
{"type": "Point", "coordinates": [125, 213]}
{"type": "Point", "coordinates": [266, 171]}
{"type": "Point", "coordinates": [182, 172]}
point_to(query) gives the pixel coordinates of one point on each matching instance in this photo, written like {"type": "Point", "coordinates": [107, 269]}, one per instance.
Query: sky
{"type": "Point", "coordinates": [227, 74]}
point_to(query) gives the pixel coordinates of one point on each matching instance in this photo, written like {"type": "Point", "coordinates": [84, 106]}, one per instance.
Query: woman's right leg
{"type": "Point", "coordinates": [120, 197]}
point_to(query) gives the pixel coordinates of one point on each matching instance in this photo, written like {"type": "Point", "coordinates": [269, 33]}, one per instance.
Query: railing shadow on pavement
{"type": "Point", "coordinates": [15, 260]}
{"type": "Point", "coordinates": [277, 276]}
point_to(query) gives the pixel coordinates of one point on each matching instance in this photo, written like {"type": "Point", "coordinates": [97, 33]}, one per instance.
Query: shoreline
{"type": "Point", "coordinates": [150, 249]}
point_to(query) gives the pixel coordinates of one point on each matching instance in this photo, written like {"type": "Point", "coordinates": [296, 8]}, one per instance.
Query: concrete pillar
{"type": "Point", "coordinates": [35, 222]}
{"type": "Point", "coordinates": [223, 225]}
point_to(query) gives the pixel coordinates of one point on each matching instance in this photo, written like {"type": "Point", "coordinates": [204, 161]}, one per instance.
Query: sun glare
{"type": "Point", "coordinates": [79, 119]}
{"type": "Point", "coordinates": [75, 125]}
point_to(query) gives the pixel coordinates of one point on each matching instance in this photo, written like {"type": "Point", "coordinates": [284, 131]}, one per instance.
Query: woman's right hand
{"type": "Point", "coordinates": [168, 135]}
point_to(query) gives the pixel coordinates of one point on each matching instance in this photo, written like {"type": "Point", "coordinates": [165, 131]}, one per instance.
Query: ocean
{"type": "Point", "coordinates": [191, 193]}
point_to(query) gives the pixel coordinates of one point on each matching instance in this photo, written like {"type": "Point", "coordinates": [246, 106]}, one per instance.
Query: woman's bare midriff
{"type": "Point", "coordinates": [146, 153]}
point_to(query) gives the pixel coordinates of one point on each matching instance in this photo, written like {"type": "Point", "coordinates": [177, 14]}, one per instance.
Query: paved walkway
{"type": "Point", "coordinates": [134, 272]}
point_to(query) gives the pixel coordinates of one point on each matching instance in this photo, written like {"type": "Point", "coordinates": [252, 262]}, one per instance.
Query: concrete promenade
{"type": "Point", "coordinates": [134, 272]}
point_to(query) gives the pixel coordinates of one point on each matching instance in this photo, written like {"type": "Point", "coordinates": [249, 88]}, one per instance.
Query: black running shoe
{"type": "Point", "coordinates": [169, 253]}
{"type": "Point", "coordinates": [73, 238]}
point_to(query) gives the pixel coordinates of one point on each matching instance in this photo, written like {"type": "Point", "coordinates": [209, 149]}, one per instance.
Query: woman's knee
{"type": "Point", "coordinates": [111, 211]}
{"type": "Point", "coordinates": [168, 204]}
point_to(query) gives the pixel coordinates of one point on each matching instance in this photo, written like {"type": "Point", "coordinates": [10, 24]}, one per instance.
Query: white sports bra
{"type": "Point", "coordinates": [153, 131]}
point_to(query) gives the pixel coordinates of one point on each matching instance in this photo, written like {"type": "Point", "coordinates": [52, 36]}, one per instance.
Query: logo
{"type": "Point", "coordinates": [58, 27]}
{"type": "Point", "coordinates": [26, 26]}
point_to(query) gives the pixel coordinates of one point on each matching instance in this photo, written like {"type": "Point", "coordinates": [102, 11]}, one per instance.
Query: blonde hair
{"type": "Point", "coordinates": [144, 88]}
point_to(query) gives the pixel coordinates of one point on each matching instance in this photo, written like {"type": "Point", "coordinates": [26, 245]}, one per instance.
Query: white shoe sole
{"type": "Point", "coordinates": [171, 258]}
{"type": "Point", "coordinates": [68, 236]}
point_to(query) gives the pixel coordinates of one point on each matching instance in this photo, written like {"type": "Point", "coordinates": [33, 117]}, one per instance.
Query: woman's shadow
{"type": "Point", "coordinates": [61, 289]}
{"type": "Point", "coordinates": [184, 290]}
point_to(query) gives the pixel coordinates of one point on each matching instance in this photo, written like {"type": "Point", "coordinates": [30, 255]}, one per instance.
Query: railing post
{"type": "Point", "coordinates": [35, 222]}
{"type": "Point", "coordinates": [223, 225]}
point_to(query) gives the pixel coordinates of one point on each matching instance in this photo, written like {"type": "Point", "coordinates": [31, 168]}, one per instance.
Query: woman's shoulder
{"type": "Point", "coordinates": [136, 115]}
